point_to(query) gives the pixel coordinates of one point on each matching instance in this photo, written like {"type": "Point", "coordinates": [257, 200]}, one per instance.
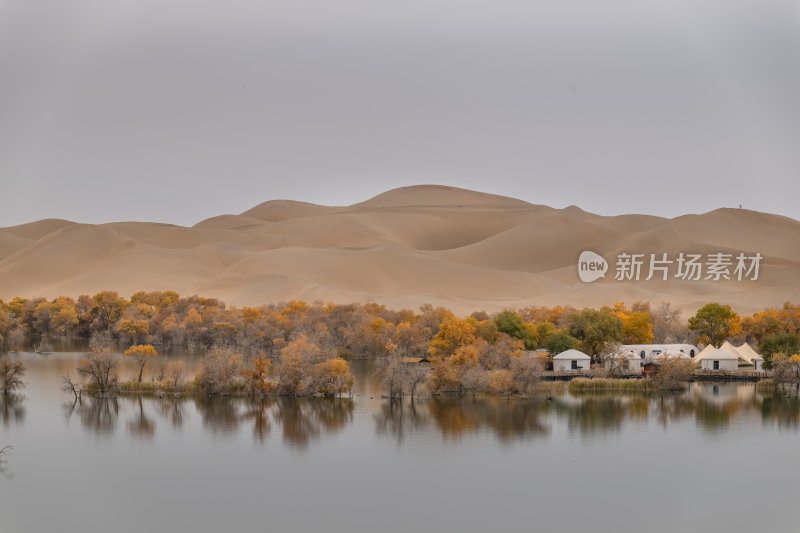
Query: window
{"type": "Point", "coordinates": [691, 354]}
{"type": "Point", "coordinates": [716, 365]}
{"type": "Point", "coordinates": [575, 365]}
{"type": "Point", "coordinates": [641, 354]}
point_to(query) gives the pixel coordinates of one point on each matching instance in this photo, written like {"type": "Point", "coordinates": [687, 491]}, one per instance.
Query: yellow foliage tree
{"type": "Point", "coordinates": [453, 333]}
{"type": "Point", "coordinates": [333, 377]}
{"type": "Point", "coordinates": [141, 353]}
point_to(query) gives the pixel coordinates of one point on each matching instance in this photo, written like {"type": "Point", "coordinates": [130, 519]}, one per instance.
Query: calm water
{"type": "Point", "coordinates": [716, 458]}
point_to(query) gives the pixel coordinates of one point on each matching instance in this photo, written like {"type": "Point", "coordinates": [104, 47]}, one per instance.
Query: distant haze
{"type": "Point", "coordinates": [178, 110]}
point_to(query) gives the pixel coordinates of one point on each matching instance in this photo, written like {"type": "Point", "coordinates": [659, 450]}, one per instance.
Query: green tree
{"type": "Point", "coordinates": [771, 344]}
{"type": "Point", "coordinates": [511, 323]}
{"type": "Point", "coordinates": [714, 323]}
{"type": "Point", "coordinates": [595, 329]}
{"type": "Point", "coordinates": [558, 342]}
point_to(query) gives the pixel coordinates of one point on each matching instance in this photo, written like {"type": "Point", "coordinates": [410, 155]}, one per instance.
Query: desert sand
{"type": "Point", "coordinates": [424, 244]}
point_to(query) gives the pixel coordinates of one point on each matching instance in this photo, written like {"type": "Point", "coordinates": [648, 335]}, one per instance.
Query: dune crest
{"type": "Point", "coordinates": [464, 249]}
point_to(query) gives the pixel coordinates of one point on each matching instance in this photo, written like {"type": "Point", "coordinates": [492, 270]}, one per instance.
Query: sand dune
{"type": "Point", "coordinates": [443, 245]}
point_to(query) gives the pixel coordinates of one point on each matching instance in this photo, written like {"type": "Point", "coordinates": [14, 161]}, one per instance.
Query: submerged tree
{"type": "Point", "coordinates": [11, 376]}
{"type": "Point", "coordinates": [100, 370]}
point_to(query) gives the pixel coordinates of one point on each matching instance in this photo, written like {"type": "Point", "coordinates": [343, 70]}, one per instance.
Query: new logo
{"type": "Point", "coordinates": [591, 266]}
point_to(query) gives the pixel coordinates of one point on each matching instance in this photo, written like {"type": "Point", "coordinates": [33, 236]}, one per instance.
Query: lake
{"type": "Point", "coordinates": [717, 457]}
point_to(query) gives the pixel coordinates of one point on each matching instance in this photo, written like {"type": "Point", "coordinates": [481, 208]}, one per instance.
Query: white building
{"type": "Point", "coordinates": [652, 353]}
{"type": "Point", "coordinates": [571, 360]}
{"type": "Point", "coordinates": [720, 360]}
{"type": "Point", "coordinates": [758, 363]}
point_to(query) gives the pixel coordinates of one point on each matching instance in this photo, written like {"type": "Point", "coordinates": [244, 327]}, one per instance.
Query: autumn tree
{"type": "Point", "coordinates": [256, 376]}
{"type": "Point", "coordinates": [141, 353]}
{"type": "Point", "coordinates": [713, 323]}
{"type": "Point", "coordinates": [332, 377]}
{"type": "Point", "coordinates": [294, 368]}
{"type": "Point", "coordinates": [636, 328]}
{"type": "Point", "coordinates": [453, 333]}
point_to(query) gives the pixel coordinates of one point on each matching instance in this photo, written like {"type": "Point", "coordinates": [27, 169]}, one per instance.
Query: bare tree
{"type": "Point", "coordinates": [392, 373]}
{"type": "Point", "coordinates": [616, 362]}
{"type": "Point", "coordinates": [100, 370]}
{"type": "Point", "coordinates": [4, 451]}
{"type": "Point", "coordinates": [415, 378]}
{"type": "Point", "coordinates": [219, 372]}
{"type": "Point", "coordinates": [11, 376]}
{"type": "Point", "coordinates": [527, 371]}
{"type": "Point", "coordinates": [667, 325]}
{"type": "Point", "coordinates": [72, 387]}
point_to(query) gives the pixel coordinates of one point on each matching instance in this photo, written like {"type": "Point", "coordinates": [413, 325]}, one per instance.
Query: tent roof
{"type": "Point", "coordinates": [705, 351]}
{"type": "Point", "coordinates": [747, 352]}
{"type": "Point", "coordinates": [572, 354]}
{"type": "Point", "coordinates": [721, 355]}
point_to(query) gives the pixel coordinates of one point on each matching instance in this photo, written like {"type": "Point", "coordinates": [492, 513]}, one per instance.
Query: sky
{"type": "Point", "coordinates": [179, 110]}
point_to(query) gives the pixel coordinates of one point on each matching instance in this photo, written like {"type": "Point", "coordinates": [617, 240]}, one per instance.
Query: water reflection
{"type": "Point", "coordinates": [399, 419]}
{"type": "Point", "coordinates": [304, 420]}
{"type": "Point", "coordinates": [97, 415]}
{"type": "Point", "coordinates": [456, 417]}
{"type": "Point", "coordinates": [713, 407]}
{"type": "Point", "coordinates": [11, 409]}
{"type": "Point", "coordinates": [140, 425]}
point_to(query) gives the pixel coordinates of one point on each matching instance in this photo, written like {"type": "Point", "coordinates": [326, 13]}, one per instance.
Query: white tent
{"type": "Point", "coordinates": [747, 353]}
{"type": "Point", "coordinates": [704, 352]}
{"type": "Point", "coordinates": [758, 362]}
{"type": "Point", "coordinates": [720, 360]}
{"type": "Point", "coordinates": [571, 360]}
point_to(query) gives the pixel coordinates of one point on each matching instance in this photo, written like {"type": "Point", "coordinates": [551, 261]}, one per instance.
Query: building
{"type": "Point", "coordinates": [720, 360]}
{"type": "Point", "coordinates": [744, 353]}
{"type": "Point", "coordinates": [571, 361]}
{"type": "Point", "coordinates": [758, 363]}
{"type": "Point", "coordinates": [653, 353]}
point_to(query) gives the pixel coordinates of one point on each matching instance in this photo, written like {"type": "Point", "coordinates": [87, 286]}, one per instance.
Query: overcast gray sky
{"type": "Point", "coordinates": [178, 110]}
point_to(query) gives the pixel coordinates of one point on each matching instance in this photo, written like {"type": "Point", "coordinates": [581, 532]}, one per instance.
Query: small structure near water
{"type": "Point", "coordinates": [717, 360]}
{"type": "Point", "coordinates": [571, 361]}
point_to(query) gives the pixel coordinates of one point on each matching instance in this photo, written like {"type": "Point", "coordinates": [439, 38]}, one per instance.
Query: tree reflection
{"type": "Point", "coordinates": [302, 420]}
{"type": "Point", "coordinates": [172, 410]}
{"type": "Point", "coordinates": [99, 415]}
{"type": "Point", "coordinates": [220, 415]}
{"type": "Point", "coordinates": [596, 413]}
{"type": "Point", "coordinates": [397, 418]}
{"type": "Point", "coordinates": [11, 408]}
{"type": "Point", "coordinates": [784, 411]}
{"type": "Point", "coordinates": [258, 412]}
{"type": "Point", "coordinates": [508, 420]}
{"type": "Point", "coordinates": [141, 426]}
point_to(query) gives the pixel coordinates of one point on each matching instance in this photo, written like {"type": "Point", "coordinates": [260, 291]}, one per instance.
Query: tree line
{"type": "Point", "coordinates": [311, 342]}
